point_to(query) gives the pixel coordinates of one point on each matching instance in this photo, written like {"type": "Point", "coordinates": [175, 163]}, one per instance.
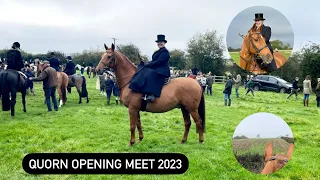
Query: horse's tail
{"type": "Point", "coordinates": [64, 86]}
{"type": "Point", "coordinates": [84, 92]}
{"type": "Point", "coordinates": [5, 92]}
{"type": "Point", "coordinates": [202, 112]}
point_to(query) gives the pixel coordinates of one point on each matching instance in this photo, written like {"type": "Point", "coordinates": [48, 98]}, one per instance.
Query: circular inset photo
{"type": "Point", "coordinates": [263, 143]}
{"type": "Point", "coordinates": [260, 39]}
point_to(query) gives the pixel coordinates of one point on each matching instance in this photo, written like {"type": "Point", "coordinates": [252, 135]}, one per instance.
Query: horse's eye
{"type": "Point", "coordinates": [109, 57]}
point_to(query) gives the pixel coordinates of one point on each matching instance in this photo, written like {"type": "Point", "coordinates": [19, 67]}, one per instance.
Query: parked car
{"type": "Point", "coordinates": [271, 83]}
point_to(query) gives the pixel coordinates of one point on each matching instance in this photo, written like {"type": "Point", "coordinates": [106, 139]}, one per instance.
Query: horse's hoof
{"type": "Point", "coordinates": [200, 141]}
{"type": "Point", "coordinates": [140, 139]}
{"type": "Point", "coordinates": [182, 142]}
{"type": "Point", "coordinates": [130, 144]}
{"type": "Point", "coordinates": [24, 110]}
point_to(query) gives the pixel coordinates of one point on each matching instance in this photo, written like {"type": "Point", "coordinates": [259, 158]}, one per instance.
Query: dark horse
{"type": "Point", "coordinates": [185, 93]}
{"type": "Point", "coordinates": [12, 82]}
{"type": "Point", "coordinates": [79, 82]}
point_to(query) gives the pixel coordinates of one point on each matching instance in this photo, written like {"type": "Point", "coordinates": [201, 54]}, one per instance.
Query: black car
{"type": "Point", "coordinates": [271, 83]}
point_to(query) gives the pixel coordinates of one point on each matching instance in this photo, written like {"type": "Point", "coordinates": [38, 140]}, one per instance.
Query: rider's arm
{"type": "Point", "coordinates": [163, 58]}
{"type": "Point", "coordinates": [43, 75]}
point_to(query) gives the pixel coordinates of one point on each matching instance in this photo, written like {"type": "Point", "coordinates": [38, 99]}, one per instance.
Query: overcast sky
{"type": "Point", "coordinates": [267, 125]}
{"type": "Point", "coordinates": [242, 22]}
{"type": "Point", "coordinates": [74, 25]}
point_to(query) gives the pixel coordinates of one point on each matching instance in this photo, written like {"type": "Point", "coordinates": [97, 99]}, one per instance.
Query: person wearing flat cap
{"type": "Point", "coordinates": [151, 77]}
{"type": "Point", "coordinates": [50, 81]}
{"type": "Point", "coordinates": [266, 33]}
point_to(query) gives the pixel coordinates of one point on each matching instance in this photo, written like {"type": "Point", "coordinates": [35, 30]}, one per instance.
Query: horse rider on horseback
{"type": "Point", "coordinates": [14, 59]}
{"type": "Point", "coordinates": [266, 34]}
{"type": "Point", "coordinates": [150, 78]}
{"type": "Point", "coordinates": [70, 67]}
{"type": "Point", "coordinates": [54, 62]}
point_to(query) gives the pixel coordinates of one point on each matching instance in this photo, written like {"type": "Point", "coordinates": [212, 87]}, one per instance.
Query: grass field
{"type": "Point", "coordinates": [95, 127]}
{"type": "Point", "coordinates": [236, 56]}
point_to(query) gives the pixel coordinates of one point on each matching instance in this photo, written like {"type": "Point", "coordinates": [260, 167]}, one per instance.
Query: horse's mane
{"type": "Point", "coordinates": [254, 28]}
{"type": "Point", "coordinates": [119, 54]}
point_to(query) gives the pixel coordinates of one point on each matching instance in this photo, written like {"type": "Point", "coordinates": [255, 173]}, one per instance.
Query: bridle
{"type": "Point", "coordinates": [113, 61]}
{"type": "Point", "coordinates": [258, 50]}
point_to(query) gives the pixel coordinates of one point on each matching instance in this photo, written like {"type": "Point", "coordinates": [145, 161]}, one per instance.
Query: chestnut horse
{"type": "Point", "coordinates": [254, 44]}
{"type": "Point", "coordinates": [62, 84]}
{"type": "Point", "coordinates": [275, 162]}
{"type": "Point", "coordinates": [179, 92]}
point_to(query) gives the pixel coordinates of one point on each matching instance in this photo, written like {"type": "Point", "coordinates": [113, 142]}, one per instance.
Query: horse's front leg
{"type": "Point", "coordinates": [13, 102]}
{"type": "Point", "coordinates": [133, 121]}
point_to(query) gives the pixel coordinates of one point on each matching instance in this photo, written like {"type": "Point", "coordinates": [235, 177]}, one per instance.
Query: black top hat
{"type": "Point", "coordinates": [161, 38]}
{"type": "Point", "coordinates": [259, 16]}
{"type": "Point", "coordinates": [52, 53]}
{"type": "Point", "coordinates": [16, 45]}
{"type": "Point", "coordinates": [69, 57]}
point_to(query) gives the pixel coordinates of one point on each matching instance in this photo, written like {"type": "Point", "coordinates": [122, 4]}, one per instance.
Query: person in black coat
{"type": "Point", "coordinates": [54, 62]}
{"type": "Point", "coordinates": [82, 68]}
{"type": "Point", "coordinates": [14, 58]}
{"type": "Point", "coordinates": [195, 70]}
{"type": "Point", "coordinates": [70, 67]}
{"type": "Point", "coordinates": [149, 79]}
{"type": "Point", "coordinates": [266, 34]}
{"type": "Point", "coordinates": [108, 87]}
{"type": "Point", "coordinates": [295, 88]}
{"type": "Point", "coordinates": [116, 92]}
{"type": "Point", "coordinates": [227, 91]}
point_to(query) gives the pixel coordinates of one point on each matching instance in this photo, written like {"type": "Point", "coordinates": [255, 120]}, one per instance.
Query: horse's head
{"type": "Point", "coordinates": [275, 162]}
{"type": "Point", "coordinates": [254, 44]}
{"type": "Point", "coordinates": [107, 59]}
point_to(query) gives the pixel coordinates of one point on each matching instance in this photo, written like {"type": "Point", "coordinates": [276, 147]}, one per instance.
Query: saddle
{"type": "Point", "coordinates": [144, 96]}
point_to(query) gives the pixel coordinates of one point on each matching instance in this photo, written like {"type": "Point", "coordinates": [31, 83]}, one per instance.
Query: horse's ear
{"type": "Point", "coordinates": [268, 152]}
{"type": "Point", "coordinates": [105, 46]}
{"type": "Point", "coordinates": [290, 151]}
{"type": "Point", "coordinates": [112, 47]}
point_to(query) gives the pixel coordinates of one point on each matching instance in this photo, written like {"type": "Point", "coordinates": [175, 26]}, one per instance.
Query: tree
{"type": "Point", "coordinates": [258, 135]}
{"type": "Point", "coordinates": [280, 45]}
{"type": "Point", "coordinates": [310, 64]}
{"type": "Point", "coordinates": [88, 56]}
{"type": "Point", "coordinates": [290, 69]}
{"type": "Point", "coordinates": [131, 51]}
{"type": "Point", "coordinates": [177, 59]}
{"type": "Point", "coordinates": [206, 51]}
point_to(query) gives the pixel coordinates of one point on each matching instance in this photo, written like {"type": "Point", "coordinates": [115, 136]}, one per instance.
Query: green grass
{"type": "Point", "coordinates": [236, 56]}
{"type": "Point", "coordinates": [95, 127]}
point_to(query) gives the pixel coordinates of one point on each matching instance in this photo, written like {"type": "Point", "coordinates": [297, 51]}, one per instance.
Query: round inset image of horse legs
{"type": "Point", "coordinates": [260, 39]}
{"type": "Point", "coordinates": [263, 143]}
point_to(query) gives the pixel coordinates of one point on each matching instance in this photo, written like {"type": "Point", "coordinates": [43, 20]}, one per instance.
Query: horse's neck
{"type": "Point", "coordinates": [124, 72]}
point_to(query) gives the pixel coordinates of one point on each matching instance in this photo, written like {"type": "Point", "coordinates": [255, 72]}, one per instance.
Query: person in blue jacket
{"type": "Point", "coordinates": [150, 78]}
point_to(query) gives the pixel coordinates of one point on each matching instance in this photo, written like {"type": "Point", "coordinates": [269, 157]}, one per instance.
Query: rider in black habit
{"type": "Point", "coordinates": [14, 58]}
{"type": "Point", "coordinates": [150, 77]}
{"type": "Point", "coordinates": [70, 67]}
{"type": "Point", "coordinates": [266, 33]}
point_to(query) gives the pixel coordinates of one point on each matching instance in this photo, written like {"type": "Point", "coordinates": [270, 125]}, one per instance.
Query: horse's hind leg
{"type": "Point", "coordinates": [24, 100]}
{"type": "Point", "coordinates": [197, 120]}
{"type": "Point", "coordinates": [187, 123]}
{"type": "Point", "coordinates": [139, 128]}
{"type": "Point", "coordinates": [60, 96]}
{"type": "Point", "coordinates": [79, 92]}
